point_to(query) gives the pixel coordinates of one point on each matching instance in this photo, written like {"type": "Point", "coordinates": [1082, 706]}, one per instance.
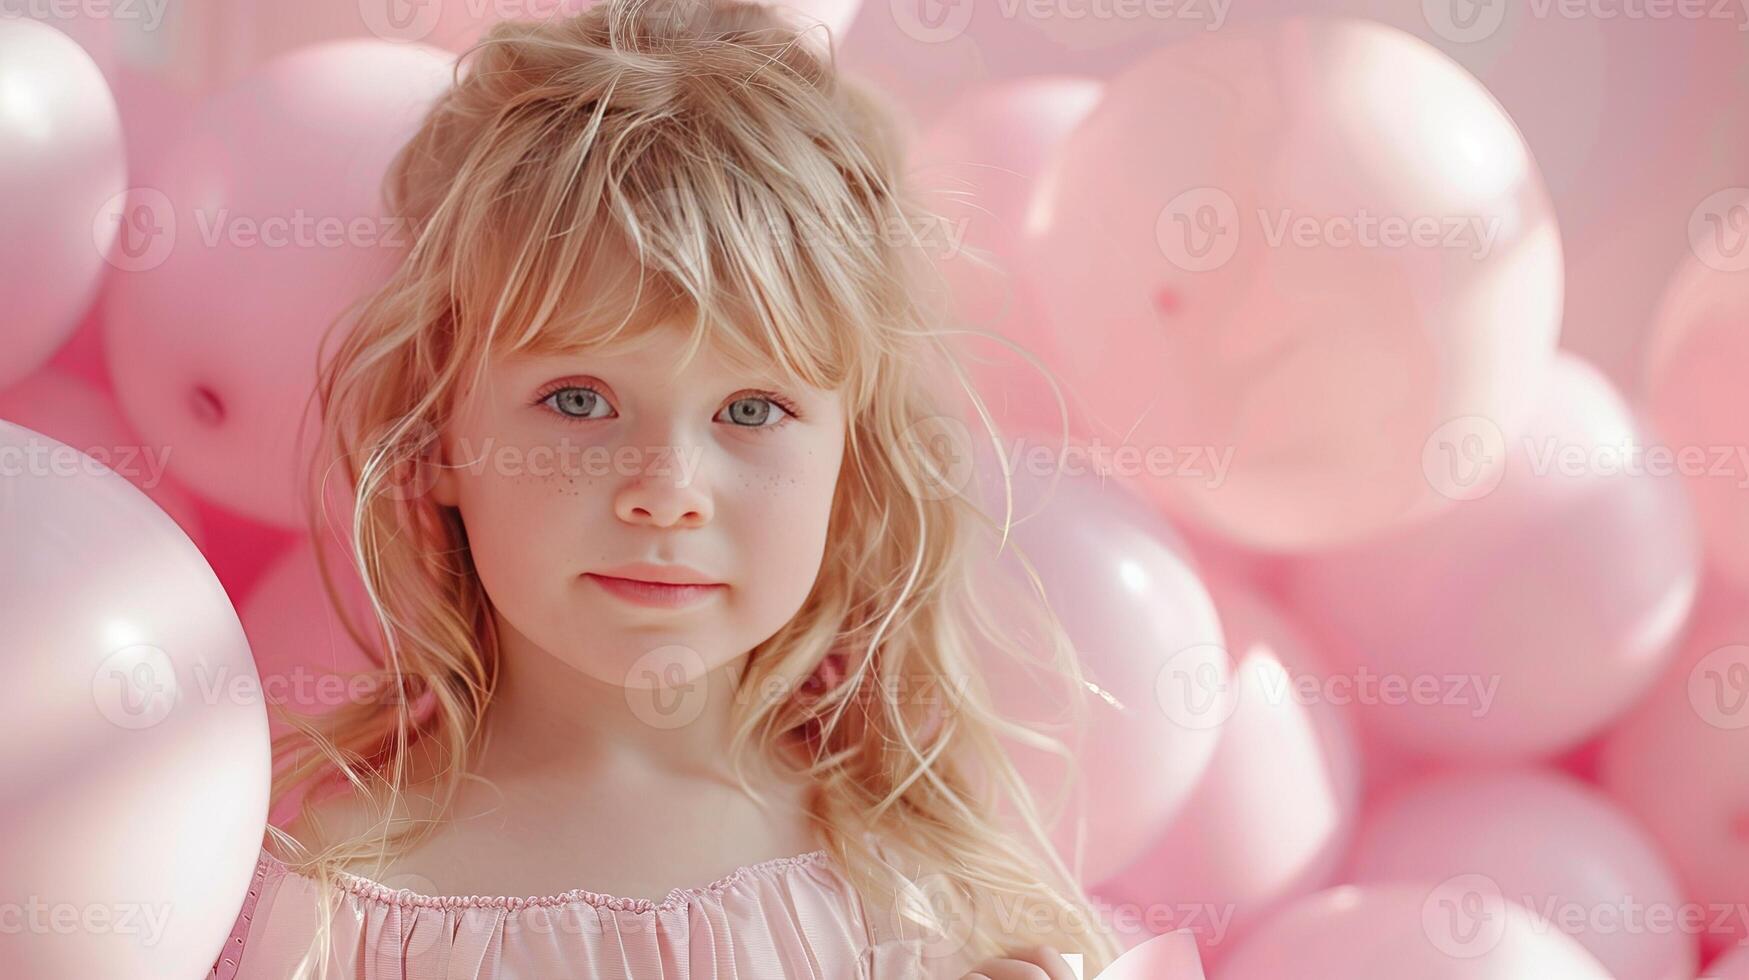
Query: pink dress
{"type": "Point", "coordinates": [792, 917]}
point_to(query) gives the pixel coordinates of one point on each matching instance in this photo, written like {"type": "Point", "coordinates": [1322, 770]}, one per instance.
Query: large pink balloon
{"type": "Point", "coordinates": [90, 27]}
{"type": "Point", "coordinates": [1307, 244]}
{"type": "Point", "coordinates": [1546, 841]}
{"type": "Point", "coordinates": [62, 161]}
{"type": "Point", "coordinates": [1536, 611]}
{"type": "Point", "coordinates": [254, 233]}
{"type": "Point", "coordinates": [1395, 932]}
{"type": "Point", "coordinates": [1271, 817]}
{"type": "Point", "coordinates": [1147, 633]}
{"type": "Point", "coordinates": [1679, 763]}
{"type": "Point", "coordinates": [133, 738]}
{"type": "Point", "coordinates": [81, 415]}
{"type": "Point", "coordinates": [977, 168]}
{"type": "Point", "coordinates": [1695, 394]}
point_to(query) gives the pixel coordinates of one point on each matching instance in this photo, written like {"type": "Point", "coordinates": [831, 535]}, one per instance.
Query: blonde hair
{"type": "Point", "coordinates": [643, 163]}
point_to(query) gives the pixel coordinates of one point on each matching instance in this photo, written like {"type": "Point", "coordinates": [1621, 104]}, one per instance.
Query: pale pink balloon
{"type": "Point", "coordinates": [1398, 931]}
{"type": "Point", "coordinates": [1547, 841]}
{"type": "Point", "coordinates": [1148, 635]}
{"type": "Point", "coordinates": [1271, 817]}
{"type": "Point", "coordinates": [976, 168]}
{"type": "Point", "coordinates": [1678, 764]}
{"type": "Point", "coordinates": [1694, 391]}
{"type": "Point", "coordinates": [63, 161]}
{"type": "Point", "coordinates": [1732, 965]}
{"type": "Point", "coordinates": [1172, 956]}
{"type": "Point", "coordinates": [79, 414]}
{"type": "Point", "coordinates": [1309, 244]}
{"type": "Point", "coordinates": [133, 738]}
{"type": "Point", "coordinates": [255, 232]}
{"type": "Point", "coordinates": [1539, 608]}
{"type": "Point", "coordinates": [86, 24]}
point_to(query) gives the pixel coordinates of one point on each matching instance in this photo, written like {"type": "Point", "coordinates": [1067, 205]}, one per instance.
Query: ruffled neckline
{"type": "Point", "coordinates": [677, 898]}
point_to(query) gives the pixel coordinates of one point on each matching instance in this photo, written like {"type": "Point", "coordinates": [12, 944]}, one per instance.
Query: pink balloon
{"type": "Point", "coordinates": [1678, 764]}
{"type": "Point", "coordinates": [255, 232]}
{"type": "Point", "coordinates": [1394, 932]}
{"type": "Point", "coordinates": [1120, 581]}
{"type": "Point", "coordinates": [1538, 609]}
{"type": "Point", "coordinates": [81, 415]}
{"type": "Point", "coordinates": [133, 738]}
{"type": "Point", "coordinates": [1270, 818]}
{"type": "Point", "coordinates": [1172, 956]}
{"type": "Point", "coordinates": [977, 168]}
{"type": "Point", "coordinates": [91, 30]}
{"type": "Point", "coordinates": [1695, 395]}
{"type": "Point", "coordinates": [1546, 841]}
{"type": "Point", "coordinates": [1307, 245]}
{"type": "Point", "coordinates": [63, 161]}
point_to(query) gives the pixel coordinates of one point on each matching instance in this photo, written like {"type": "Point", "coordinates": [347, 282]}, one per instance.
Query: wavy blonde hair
{"type": "Point", "coordinates": [644, 163]}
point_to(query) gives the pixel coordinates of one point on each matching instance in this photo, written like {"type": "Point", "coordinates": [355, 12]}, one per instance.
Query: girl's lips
{"type": "Point", "coordinates": [658, 594]}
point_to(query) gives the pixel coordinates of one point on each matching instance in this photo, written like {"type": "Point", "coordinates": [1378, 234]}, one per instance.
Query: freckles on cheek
{"type": "Point", "coordinates": [796, 486]}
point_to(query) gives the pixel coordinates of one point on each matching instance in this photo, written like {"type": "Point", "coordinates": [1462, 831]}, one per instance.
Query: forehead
{"type": "Point", "coordinates": [658, 353]}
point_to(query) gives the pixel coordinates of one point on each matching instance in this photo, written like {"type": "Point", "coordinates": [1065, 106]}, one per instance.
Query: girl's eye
{"type": "Point", "coordinates": [575, 402]}
{"type": "Point", "coordinates": [754, 412]}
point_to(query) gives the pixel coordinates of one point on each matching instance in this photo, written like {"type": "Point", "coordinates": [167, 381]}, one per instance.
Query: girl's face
{"type": "Point", "coordinates": [573, 474]}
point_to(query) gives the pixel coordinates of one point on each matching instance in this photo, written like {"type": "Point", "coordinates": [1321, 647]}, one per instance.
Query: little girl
{"type": "Point", "coordinates": [675, 616]}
